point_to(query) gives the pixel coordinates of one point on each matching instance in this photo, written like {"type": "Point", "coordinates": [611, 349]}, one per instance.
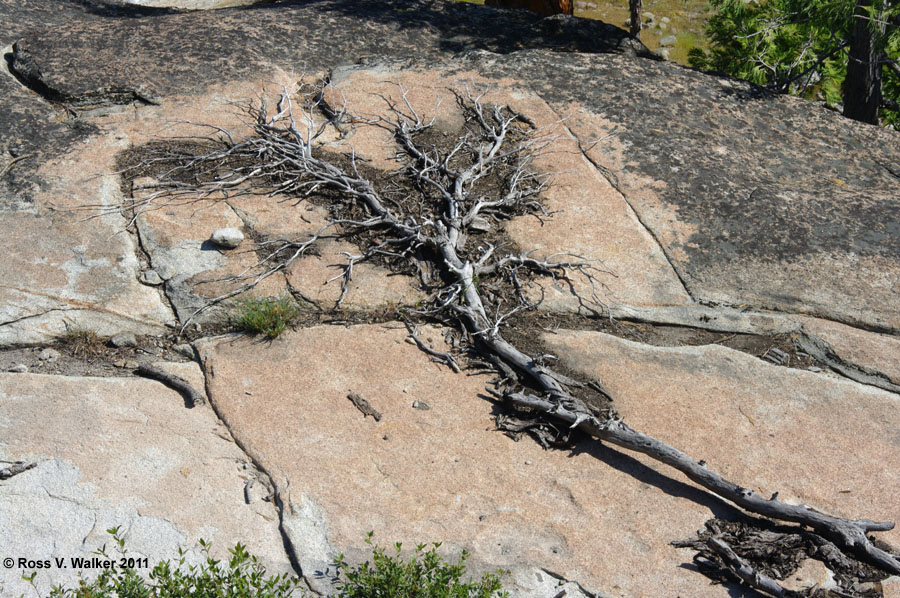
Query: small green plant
{"type": "Point", "coordinates": [242, 577]}
{"type": "Point", "coordinates": [424, 575]}
{"type": "Point", "coordinates": [269, 316]}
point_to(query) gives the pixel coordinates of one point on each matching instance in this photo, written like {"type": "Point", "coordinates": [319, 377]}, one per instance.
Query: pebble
{"type": "Point", "coordinates": [185, 349]}
{"type": "Point", "coordinates": [421, 405]}
{"type": "Point", "coordinates": [227, 237]}
{"type": "Point", "coordinates": [151, 278]}
{"type": "Point", "coordinates": [668, 40]}
{"type": "Point", "coordinates": [124, 339]}
{"type": "Point", "coordinates": [49, 355]}
{"type": "Point", "coordinates": [165, 271]}
{"type": "Point", "coordinates": [19, 368]}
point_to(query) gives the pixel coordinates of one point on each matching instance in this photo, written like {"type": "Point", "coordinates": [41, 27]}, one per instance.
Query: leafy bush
{"type": "Point", "coordinates": [269, 316]}
{"type": "Point", "coordinates": [424, 575]}
{"type": "Point", "coordinates": [243, 577]}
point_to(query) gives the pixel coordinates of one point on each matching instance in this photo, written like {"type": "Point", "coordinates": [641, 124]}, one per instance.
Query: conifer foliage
{"type": "Point", "coordinates": [844, 52]}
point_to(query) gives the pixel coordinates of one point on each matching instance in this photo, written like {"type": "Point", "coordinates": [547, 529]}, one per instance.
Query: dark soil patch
{"type": "Point", "coordinates": [92, 357]}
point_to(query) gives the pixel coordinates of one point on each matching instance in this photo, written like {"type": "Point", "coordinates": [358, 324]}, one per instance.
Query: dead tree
{"type": "Point", "coordinates": [634, 11]}
{"type": "Point", "coordinates": [431, 221]}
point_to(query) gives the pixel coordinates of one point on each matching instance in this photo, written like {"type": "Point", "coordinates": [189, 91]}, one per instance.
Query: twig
{"type": "Point", "coordinates": [445, 357]}
{"type": "Point", "coordinates": [12, 162]}
{"type": "Point", "coordinates": [193, 397]}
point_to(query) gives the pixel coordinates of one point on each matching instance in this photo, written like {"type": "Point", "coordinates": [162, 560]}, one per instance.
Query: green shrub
{"type": "Point", "coordinates": [424, 575]}
{"type": "Point", "coordinates": [269, 316]}
{"type": "Point", "coordinates": [242, 577]}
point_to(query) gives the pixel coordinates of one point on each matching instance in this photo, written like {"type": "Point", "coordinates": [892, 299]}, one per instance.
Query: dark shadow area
{"type": "Point", "coordinates": [625, 463]}
{"type": "Point", "coordinates": [621, 461]}
{"type": "Point", "coordinates": [463, 26]}
{"type": "Point", "coordinates": [101, 8]}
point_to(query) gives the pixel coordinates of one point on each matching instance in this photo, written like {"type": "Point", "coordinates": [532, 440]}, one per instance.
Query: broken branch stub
{"type": "Point", "coordinates": [431, 218]}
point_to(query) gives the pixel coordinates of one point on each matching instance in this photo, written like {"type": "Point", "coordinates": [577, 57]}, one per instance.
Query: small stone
{"type": "Point", "coordinates": [19, 368]}
{"type": "Point", "coordinates": [185, 349]}
{"type": "Point", "coordinates": [227, 237]}
{"type": "Point", "coordinates": [49, 355]}
{"type": "Point", "coordinates": [166, 271]}
{"type": "Point", "coordinates": [121, 363]}
{"type": "Point", "coordinates": [663, 53]}
{"type": "Point", "coordinates": [665, 20]}
{"type": "Point", "coordinates": [123, 339]}
{"type": "Point", "coordinates": [151, 278]}
{"type": "Point", "coordinates": [668, 40]}
{"type": "Point", "coordinates": [421, 405]}
{"type": "Point", "coordinates": [527, 462]}
{"type": "Point", "coordinates": [386, 437]}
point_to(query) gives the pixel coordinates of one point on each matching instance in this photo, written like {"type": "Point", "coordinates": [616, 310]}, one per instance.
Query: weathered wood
{"type": "Point", "coordinates": [193, 397]}
{"type": "Point", "coordinates": [849, 535]}
{"type": "Point", "coordinates": [15, 469]}
{"type": "Point", "coordinates": [744, 571]}
{"type": "Point", "coordinates": [364, 406]}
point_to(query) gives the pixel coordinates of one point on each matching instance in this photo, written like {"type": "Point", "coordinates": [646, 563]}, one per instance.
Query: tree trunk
{"type": "Point", "coordinates": [862, 87]}
{"type": "Point", "coordinates": [634, 7]}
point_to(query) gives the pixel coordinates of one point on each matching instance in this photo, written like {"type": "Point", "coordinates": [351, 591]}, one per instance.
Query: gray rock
{"type": "Point", "coordinates": [19, 368]}
{"type": "Point", "coordinates": [227, 237]}
{"type": "Point", "coordinates": [185, 349]}
{"type": "Point", "coordinates": [125, 339]}
{"type": "Point", "coordinates": [421, 405]}
{"type": "Point", "coordinates": [49, 355]}
{"type": "Point", "coordinates": [668, 40]}
{"type": "Point", "coordinates": [151, 277]}
{"type": "Point", "coordinates": [166, 271]}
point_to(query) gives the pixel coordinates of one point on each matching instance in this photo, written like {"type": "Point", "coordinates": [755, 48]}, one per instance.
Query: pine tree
{"type": "Point", "coordinates": [842, 51]}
